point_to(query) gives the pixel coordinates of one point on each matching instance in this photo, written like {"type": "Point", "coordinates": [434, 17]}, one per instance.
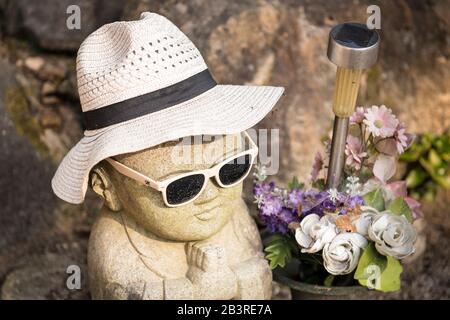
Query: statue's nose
{"type": "Point", "coordinates": [209, 194]}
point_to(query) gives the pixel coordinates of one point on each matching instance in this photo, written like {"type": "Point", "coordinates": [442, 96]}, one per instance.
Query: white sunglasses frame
{"type": "Point", "coordinates": [161, 186]}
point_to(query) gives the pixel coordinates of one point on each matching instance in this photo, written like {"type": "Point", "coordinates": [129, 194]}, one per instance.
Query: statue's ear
{"type": "Point", "coordinates": [102, 185]}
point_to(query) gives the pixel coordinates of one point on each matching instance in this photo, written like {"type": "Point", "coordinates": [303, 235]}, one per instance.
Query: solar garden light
{"type": "Point", "coordinates": [352, 47]}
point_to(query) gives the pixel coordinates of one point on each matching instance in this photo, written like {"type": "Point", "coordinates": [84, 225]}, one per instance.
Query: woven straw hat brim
{"type": "Point", "coordinates": [224, 109]}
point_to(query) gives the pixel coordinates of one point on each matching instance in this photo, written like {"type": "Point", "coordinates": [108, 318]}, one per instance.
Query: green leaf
{"type": "Point", "coordinates": [419, 148]}
{"type": "Point", "coordinates": [319, 184]}
{"type": "Point", "coordinates": [390, 277]}
{"type": "Point", "coordinates": [328, 282]}
{"type": "Point", "coordinates": [442, 145]}
{"type": "Point", "coordinates": [416, 177]}
{"type": "Point", "coordinates": [375, 199]}
{"type": "Point", "coordinates": [429, 195]}
{"type": "Point", "coordinates": [433, 158]}
{"type": "Point", "coordinates": [279, 251]}
{"type": "Point", "coordinates": [379, 272]}
{"type": "Point", "coordinates": [443, 181]}
{"type": "Point", "coordinates": [410, 156]}
{"type": "Point", "coordinates": [399, 207]}
{"type": "Point", "coordinates": [369, 257]}
{"type": "Point", "coordinates": [295, 184]}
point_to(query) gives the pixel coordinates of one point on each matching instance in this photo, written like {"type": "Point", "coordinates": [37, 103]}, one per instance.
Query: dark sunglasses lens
{"type": "Point", "coordinates": [234, 170]}
{"type": "Point", "coordinates": [184, 189]}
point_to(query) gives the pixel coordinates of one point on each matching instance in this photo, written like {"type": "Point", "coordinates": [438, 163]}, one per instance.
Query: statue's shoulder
{"type": "Point", "coordinates": [108, 226]}
{"type": "Point", "coordinates": [117, 234]}
{"type": "Point", "coordinates": [117, 240]}
{"type": "Point", "coordinates": [108, 237]}
{"type": "Point", "coordinates": [116, 269]}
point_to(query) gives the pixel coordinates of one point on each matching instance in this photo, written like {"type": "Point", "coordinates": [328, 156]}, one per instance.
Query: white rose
{"type": "Point", "coordinates": [341, 256]}
{"type": "Point", "coordinates": [365, 220]}
{"type": "Point", "coordinates": [393, 235]}
{"type": "Point", "coordinates": [314, 232]}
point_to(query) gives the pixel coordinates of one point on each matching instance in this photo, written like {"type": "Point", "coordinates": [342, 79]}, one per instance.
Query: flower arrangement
{"type": "Point", "coordinates": [359, 231]}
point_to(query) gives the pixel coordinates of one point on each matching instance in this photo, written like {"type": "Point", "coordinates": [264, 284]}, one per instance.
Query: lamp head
{"type": "Point", "coordinates": [353, 46]}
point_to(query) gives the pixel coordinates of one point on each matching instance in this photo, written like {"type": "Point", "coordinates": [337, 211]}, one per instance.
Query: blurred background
{"type": "Point", "coordinates": [244, 42]}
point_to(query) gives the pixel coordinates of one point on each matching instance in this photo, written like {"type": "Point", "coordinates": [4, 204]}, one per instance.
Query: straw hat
{"type": "Point", "coordinates": [142, 83]}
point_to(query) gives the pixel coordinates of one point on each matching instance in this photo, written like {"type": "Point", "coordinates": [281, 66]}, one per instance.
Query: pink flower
{"type": "Point", "coordinates": [354, 152]}
{"type": "Point", "coordinates": [401, 139]}
{"type": "Point", "coordinates": [384, 167]}
{"type": "Point", "coordinates": [397, 189]}
{"type": "Point", "coordinates": [358, 116]}
{"type": "Point", "coordinates": [317, 166]}
{"type": "Point", "coordinates": [380, 121]}
{"type": "Point", "coordinates": [414, 205]}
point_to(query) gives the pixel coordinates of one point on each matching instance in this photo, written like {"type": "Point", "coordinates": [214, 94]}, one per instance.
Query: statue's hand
{"type": "Point", "coordinates": [209, 272]}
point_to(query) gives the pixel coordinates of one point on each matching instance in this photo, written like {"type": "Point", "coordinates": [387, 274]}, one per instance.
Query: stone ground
{"type": "Point", "coordinates": [278, 42]}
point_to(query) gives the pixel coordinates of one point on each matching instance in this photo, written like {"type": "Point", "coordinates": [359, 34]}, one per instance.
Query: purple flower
{"type": "Point", "coordinates": [339, 204]}
{"type": "Point", "coordinates": [274, 215]}
{"type": "Point", "coordinates": [353, 201]}
{"type": "Point", "coordinates": [307, 200]}
{"type": "Point", "coordinates": [278, 209]}
{"type": "Point", "coordinates": [328, 205]}
{"type": "Point", "coordinates": [314, 201]}
{"type": "Point", "coordinates": [295, 197]}
{"type": "Point", "coordinates": [271, 205]}
{"type": "Point", "coordinates": [271, 209]}
{"type": "Point", "coordinates": [280, 221]}
{"type": "Point", "coordinates": [263, 189]}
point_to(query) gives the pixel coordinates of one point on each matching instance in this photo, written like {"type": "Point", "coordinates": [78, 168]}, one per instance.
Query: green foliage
{"type": "Point", "coordinates": [319, 184]}
{"type": "Point", "coordinates": [328, 282]}
{"type": "Point", "coordinates": [390, 277]}
{"type": "Point", "coordinates": [399, 207]}
{"type": "Point", "coordinates": [295, 184]}
{"type": "Point", "coordinates": [379, 272]}
{"type": "Point", "coordinates": [375, 199]}
{"type": "Point", "coordinates": [24, 121]}
{"type": "Point", "coordinates": [416, 177]}
{"type": "Point", "coordinates": [311, 258]}
{"type": "Point", "coordinates": [428, 165]}
{"type": "Point", "coordinates": [279, 250]}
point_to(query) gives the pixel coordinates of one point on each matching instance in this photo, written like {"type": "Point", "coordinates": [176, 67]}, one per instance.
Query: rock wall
{"type": "Point", "coordinates": [284, 43]}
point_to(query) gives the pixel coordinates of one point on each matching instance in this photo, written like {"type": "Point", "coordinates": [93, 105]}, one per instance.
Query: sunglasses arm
{"type": "Point", "coordinates": [130, 173]}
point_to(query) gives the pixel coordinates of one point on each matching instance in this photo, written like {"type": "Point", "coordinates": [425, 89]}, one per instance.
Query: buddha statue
{"type": "Point", "coordinates": [142, 247]}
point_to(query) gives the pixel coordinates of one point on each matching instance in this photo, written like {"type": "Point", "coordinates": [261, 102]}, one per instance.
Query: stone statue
{"type": "Point", "coordinates": [141, 249]}
{"type": "Point", "coordinates": [164, 233]}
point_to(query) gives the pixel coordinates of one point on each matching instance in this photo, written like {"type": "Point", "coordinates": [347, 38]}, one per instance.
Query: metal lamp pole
{"type": "Point", "coordinates": [352, 47]}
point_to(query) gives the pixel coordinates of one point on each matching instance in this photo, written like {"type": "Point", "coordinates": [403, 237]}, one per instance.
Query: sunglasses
{"type": "Point", "coordinates": [185, 188]}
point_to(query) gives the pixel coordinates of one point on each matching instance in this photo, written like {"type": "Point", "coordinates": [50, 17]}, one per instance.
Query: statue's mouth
{"type": "Point", "coordinates": [208, 214]}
